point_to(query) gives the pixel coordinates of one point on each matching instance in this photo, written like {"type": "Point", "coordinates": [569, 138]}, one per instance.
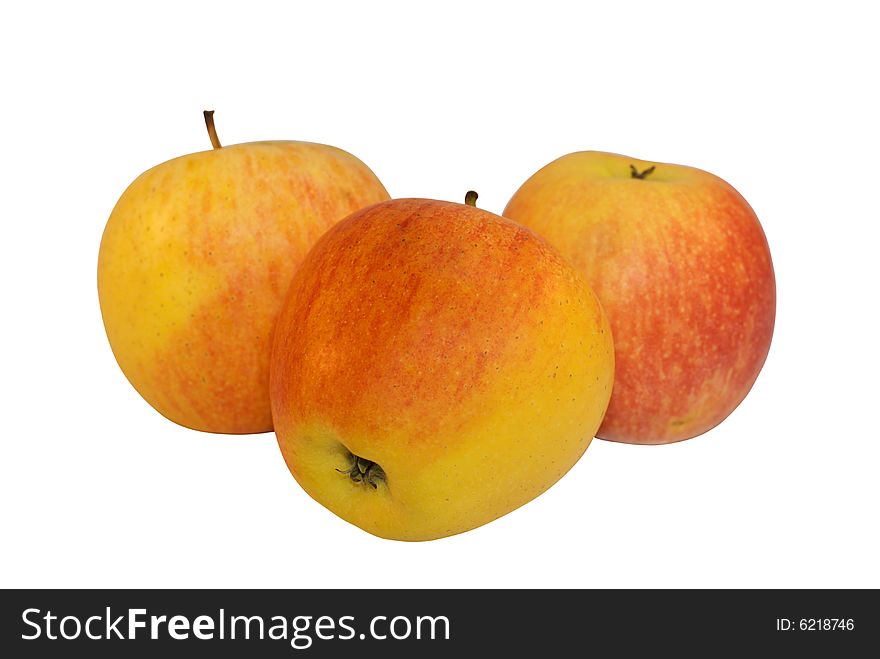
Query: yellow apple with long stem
{"type": "Point", "coordinates": [195, 262]}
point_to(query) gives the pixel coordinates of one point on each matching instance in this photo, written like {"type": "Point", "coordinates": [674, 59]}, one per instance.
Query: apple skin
{"type": "Point", "coordinates": [682, 268]}
{"type": "Point", "coordinates": [194, 265]}
{"type": "Point", "coordinates": [453, 348]}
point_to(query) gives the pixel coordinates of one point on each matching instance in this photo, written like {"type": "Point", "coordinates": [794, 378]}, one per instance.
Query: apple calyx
{"type": "Point", "coordinates": [470, 199]}
{"type": "Point", "coordinates": [634, 173]}
{"type": "Point", "coordinates": [364, 471]}
{"type": "Point", "coordinates": [212, 132]}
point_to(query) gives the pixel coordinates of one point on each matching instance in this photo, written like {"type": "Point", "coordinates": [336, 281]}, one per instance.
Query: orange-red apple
{"type": "Point", "coordinates": [681, 266]}
{"type": "Point", "coordinates": [194, 264]}
{"type": "Point", "coordinates": [435, 367]}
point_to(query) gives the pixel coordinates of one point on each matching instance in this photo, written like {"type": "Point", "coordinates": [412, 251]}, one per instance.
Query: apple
{"type": "Point", "coordinates": [435, 367]}
{"type": "Point", "coordinates": [195, 262]}
{"type": "Point", "coordinates": [682, 268]}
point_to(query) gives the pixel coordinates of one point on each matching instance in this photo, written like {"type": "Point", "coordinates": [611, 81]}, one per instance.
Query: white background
{"type": "Point", "coordinates": [780, 99]}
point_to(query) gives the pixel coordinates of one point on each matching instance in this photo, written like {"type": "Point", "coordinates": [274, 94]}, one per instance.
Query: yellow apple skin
{"type": "Point", "coordinates": [194, 265]}
{"type": "Point", "coordinates": [682, 268]}
{"type": "Point", "coordinates": [451, 347]}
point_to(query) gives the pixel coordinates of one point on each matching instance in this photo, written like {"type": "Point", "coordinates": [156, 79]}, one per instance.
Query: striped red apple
{"type": "Point", "coordinates": [682, 268]}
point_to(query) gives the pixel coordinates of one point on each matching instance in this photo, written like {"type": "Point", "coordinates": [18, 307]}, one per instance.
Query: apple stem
{"type": "Point", "coordinates": [212, 131]}
{"type": "Point", "coordinates": [471, 198]}
{"type": "Point", "coordinates": [634, 173]}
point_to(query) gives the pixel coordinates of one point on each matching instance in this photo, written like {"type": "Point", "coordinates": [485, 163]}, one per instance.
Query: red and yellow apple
{"type": "Point", "coordinates": [681, 266]}
{"type": "Point", "coordinates": [435, 367]}
{"type": "Point", "coordinates": [195, 262]}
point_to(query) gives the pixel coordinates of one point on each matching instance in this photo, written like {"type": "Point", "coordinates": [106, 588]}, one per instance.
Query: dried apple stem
{"type": "Point", "coordinates": [635, 173]}
{"type": "Point", "coordinates": [212, 132]}
{"type": "Point", "coordinates": [471, 198]}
